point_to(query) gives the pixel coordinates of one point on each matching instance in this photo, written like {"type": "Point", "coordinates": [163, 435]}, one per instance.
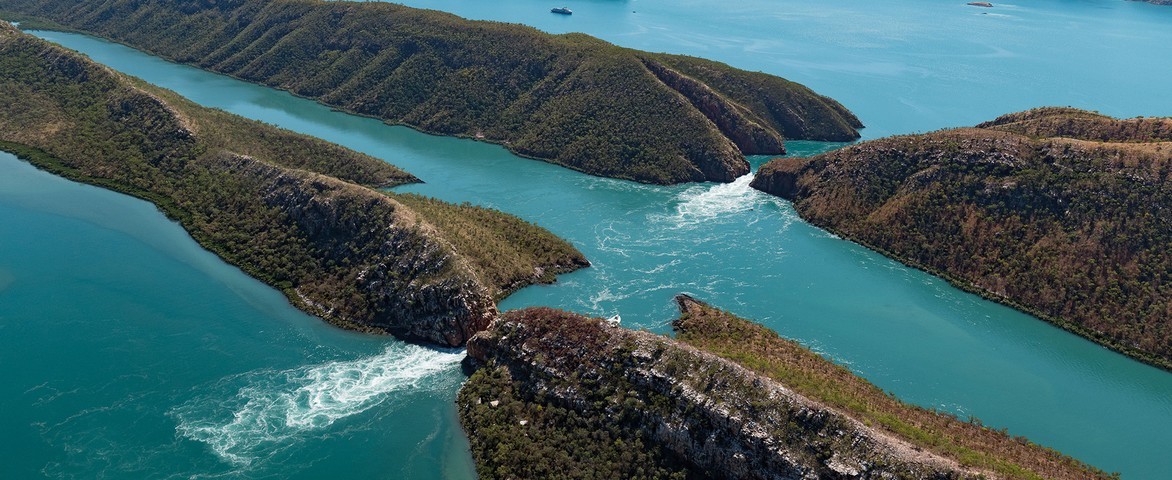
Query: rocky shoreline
{"type": "Point", "coordinates": [298, 213]}
{"type": "Point", "coordinates": [1059, 212]}
{"type": "Point", "coordinates": [545, 378]}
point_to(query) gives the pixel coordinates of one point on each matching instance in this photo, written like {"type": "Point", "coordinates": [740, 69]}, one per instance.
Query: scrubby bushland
{"type": "Point", "coordinates": [296, 212]}
{"type": "Point", "coordinates": [1063, 213]}
{"type": "Point", "coordinates": [967, 442]}
{"type": "Point", "coordinates": [570, 99]}
{"type": "Point", "coordinates": [559, 395]}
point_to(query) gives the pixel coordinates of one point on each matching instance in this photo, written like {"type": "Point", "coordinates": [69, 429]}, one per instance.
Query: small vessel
{"type": "Point", "coordinates": [615, 320]}
{"type": "Point", "coordinates": [562, 10]}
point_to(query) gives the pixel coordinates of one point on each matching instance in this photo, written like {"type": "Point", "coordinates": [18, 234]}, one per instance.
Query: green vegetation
{"type": "Point", "coordinates": [551, 97]}
{"type": "Point", "coordinates": [1082, 125]}
{"type": "Point", "coordinates": [1062, 213]}
{"type": "Point", "coordinates": [554, 442]}
{"type": "Point", "coordinates": [507, 253]}
{"type": "Point", "coordinates": [970, 444]}
{"type": "Point", "coordinates": [558, 389]}
{"type": "Point", "coordinates": [295, 212]}
{"type": "Point", "coordinates": [597, 437]}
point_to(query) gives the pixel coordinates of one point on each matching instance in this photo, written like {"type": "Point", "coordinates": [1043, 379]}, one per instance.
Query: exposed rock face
{"type": "Point", "coordinates": [570, 99]}
{"type": "Point", "coordinates": [1061, 212]}
{"type": "Point", "coordinates": [413, 285]}
{"type": "Point", "coordinates": [719, 419]}
{"type": "Point", "coordinates": [781, 179]}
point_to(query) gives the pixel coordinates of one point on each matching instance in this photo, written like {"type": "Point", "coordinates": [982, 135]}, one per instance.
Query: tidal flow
{"type": "Point", "coordinates": [142, 355]}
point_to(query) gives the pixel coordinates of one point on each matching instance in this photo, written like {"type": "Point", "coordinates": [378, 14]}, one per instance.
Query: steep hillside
{"type": "Point", "coordinates": [290, 210]}
{"type": "Point", "coordinates": [569, 99]}
{"type": "Point", "coordinates": [558, 395]}
{"type": "Point", "coordinates": [1063, 213]}
{"type": "Point", "coordinates": [966, 442]}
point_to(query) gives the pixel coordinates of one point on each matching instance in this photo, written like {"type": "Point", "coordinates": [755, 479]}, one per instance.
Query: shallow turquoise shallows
{"type": "Point", "coordinates": [128, 352]}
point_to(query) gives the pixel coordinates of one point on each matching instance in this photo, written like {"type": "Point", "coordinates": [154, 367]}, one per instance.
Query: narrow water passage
{"type": "Point", "coordinates": [906, 331]}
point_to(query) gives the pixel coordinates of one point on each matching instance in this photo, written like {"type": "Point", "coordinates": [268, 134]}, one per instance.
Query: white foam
{"type": "Point", "coordinates": [274, 408]}
{"type": "Point", "coordinates": [660, 268]}
{"type": "Point", "coordinates": [704, 203]}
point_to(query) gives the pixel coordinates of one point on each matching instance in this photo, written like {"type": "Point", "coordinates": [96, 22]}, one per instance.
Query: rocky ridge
{"type": "Point", "coordinates": [559, 395]}
{"type": "Point", "coordinates": [415, 286]}
{"type": "Point", "coordinates": [296, 212]}
{"type": "Point", "coordinates": [1063, 213]}
{"type": "Point", "coordinates": [710, 417]}
{"type": "Point", "coordinates": [550, 97]}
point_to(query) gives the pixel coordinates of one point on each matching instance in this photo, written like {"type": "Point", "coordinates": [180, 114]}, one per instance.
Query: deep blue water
{"type": "Point", "coordinates": [142, 355]}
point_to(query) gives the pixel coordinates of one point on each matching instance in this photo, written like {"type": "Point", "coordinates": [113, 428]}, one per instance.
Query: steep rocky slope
{"type": "Point", "coordinates": [1063, 213]}
{"type": "Point", "coordinates": [558, 395]}
{"type": "Point", "coordinates": [290, 210]}
{"type": "Point", "coordinates": [569, 99]}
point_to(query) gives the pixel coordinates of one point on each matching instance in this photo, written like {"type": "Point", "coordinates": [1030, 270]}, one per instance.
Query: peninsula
{"type": "Point", "coordinates": [295, 212]}
{"type": "Point", "coordinates": [555, 392]}
{"type": "Point", "coordinates": [572, 99]}
{"type": "Point", "coordinates": [1062, 213]}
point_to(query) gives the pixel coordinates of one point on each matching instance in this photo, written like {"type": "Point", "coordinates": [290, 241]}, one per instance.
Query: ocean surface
{"type": "Point", "coordinates": [129, 352]}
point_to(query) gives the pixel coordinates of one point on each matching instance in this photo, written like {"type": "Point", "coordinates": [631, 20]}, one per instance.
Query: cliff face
{"type": "Point", "coordinates": [292, 211]}
{"type": "Point", "coordinates": [410, 283]}
{"type": "Point", "coordinates": [703, 416]}
{"type": "Point", "coordinates": [1061, 212]}
{"type": "Point", "coordinates": [557, 392]}
{"type": "Point", "coordinates": [569, 99]}
{"type": "Point", "coordinates": [991, 453]}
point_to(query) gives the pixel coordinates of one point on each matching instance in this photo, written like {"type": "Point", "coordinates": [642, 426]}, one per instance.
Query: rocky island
{"type": "Point", "coordinates": [1063, 213]}
{"type": "Point", "coordinates": [557, 392]}
{"type": "Point", "coordinates": [551, 97]}
{"type": "Point", "coordinates": [297, 213]}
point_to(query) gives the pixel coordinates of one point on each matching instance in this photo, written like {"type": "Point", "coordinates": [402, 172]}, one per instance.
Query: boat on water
{"type": "Point", "coordinates": [615, 320]}
{"type": "Point", "coordinates": [562, 10]}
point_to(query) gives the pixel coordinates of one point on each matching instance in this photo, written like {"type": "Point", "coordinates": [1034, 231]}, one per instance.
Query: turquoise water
{"type": "Point", "coordinates": [129, 352]}
{"type": "Point", "coordinates": [149, 357]}
{"type": "Point", "coordinates": [902, 66]}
